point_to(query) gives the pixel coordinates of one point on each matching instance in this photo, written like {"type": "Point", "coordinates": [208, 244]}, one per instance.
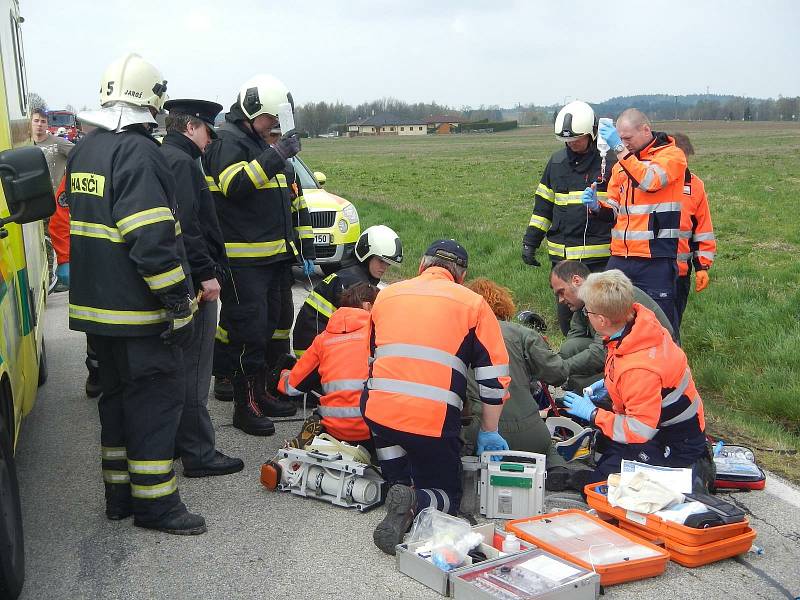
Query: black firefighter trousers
{"type": "Point", "coordinates": [140, 408]}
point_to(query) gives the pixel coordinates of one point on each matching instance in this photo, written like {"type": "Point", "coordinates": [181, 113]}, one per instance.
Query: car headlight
{"type": "Point", "coordinates": [343, 225]}
{"type": "Point", "coordinates": [350, 213]}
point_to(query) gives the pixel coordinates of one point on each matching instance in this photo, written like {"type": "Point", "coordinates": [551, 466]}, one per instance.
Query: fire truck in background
{"type": "Point", "coordinates": [63, 122]}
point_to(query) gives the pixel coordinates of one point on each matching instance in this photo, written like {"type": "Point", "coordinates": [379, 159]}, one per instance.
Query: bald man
{"type": "Point", "coordinates": [644, 194]}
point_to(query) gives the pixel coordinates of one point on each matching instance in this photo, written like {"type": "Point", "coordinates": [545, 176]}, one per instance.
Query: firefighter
{"type": "Point", "coordinates": [697, 246]}
{"type": "Point", "coordinates": [378, 248]}
{"type": "Point", "coordinates": [425, 333]}
{"type": "Point", "coordinates": [338, 361]}
{"type": "Point", "coordinates": [657, 414]}
{"type": "Point", "coordinates": [530, 361]}
{"type": "Point", "coordinates": [190, 128]}
{"type": "Point", "coordinates": [558, 213]}
{"type": "Point", "coordinates": [131, 293]}
{"type": "Point", "coordinates": [645, 193]}
{"type": "Point", "coordinates": [583, 350]}
{"type": "Point", "coordinates": [245, 174]}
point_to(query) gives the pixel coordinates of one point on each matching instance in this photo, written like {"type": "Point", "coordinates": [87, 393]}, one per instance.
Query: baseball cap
{"type": "Point", "coordinates": [448, 250]}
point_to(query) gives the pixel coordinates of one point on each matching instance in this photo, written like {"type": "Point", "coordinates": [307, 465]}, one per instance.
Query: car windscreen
{"type": "Point", "coordinates": [307, 181]}
{"type": "Point", "coordinates": [60, 120]}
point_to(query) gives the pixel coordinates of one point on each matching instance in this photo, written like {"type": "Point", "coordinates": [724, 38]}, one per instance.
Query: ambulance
{"type": "Point", "coordinates": [26, 197]}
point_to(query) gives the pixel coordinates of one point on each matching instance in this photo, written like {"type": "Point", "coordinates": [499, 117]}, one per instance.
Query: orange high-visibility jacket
{"type": "Point", "coordinates": [338, 359]}
{"type": "Point", "coordinates": [645, 192]}
{"type": "Point", "coordinates": [425, 333]}
{"type": "Point", "coordinates": [697, 241]}
{"type": "Point", "coordinates": [58, 227]}
{"type": "Point", "coordinates": [650, 385]}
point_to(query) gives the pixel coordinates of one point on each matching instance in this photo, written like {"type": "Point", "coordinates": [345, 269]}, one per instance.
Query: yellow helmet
{"type": "Point", "coordinates": [262, 94]}
{"type": "Point", "coordinates": [133, 80]}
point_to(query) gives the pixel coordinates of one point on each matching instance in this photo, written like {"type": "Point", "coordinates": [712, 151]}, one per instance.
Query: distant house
{"type": "Point", "coordinates": [444, 123]}
{"type": "Point", "coordinates": [387, 125]}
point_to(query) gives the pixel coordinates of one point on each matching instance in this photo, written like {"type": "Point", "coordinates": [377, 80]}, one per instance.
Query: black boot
{"type": "Point", "coordinates": [223, 389]}
{"type": "Point", "coordinates": [247, 414]}
{"type": "Point", "coordinates": [93, 388]}
{"type": "Point", "coordinates": [269, 404]}
{"type": "Point", "coordinates": [118, 501]}
{"type": "Point", "coordinates": [181, 523]}
{"type": "Point", "coordinates": [219, 465]}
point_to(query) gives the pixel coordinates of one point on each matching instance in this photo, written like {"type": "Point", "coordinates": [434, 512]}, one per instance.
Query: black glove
{"type": "Point", "coordinates": [288, 145]}
{"type": "Point", "coordinates": [529, 255]}
{"type": "Point", "coordinates": [180, 325]}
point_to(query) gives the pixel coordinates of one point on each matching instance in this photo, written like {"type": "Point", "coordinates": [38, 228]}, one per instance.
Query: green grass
{"type": "Point", "coordinates": [741, 335]}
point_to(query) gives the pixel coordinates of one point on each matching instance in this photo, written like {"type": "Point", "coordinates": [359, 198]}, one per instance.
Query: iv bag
{"type": "Point", "coordinates": [602, 145]}
{"type": "Point", "coordinates": [285, 117]}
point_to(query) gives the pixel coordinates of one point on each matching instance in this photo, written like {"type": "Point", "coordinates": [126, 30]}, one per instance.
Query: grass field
{"type": "Point", "coordinates": [741, 335]}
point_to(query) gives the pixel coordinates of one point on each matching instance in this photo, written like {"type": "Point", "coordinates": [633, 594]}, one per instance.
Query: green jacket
{"type": "Point", "coordinates": [592, 360]}
{"type": "Point", "coordinates": [530, 359]}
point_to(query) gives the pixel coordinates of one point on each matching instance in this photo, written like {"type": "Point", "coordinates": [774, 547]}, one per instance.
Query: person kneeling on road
{"type": "Point", "coordinates": [425, 334]}
{"type": "Point", "coordinates": [530, 360]}
{"type": "Point", "coordinates": [657, 415]}
{"type": "Point", "coordinates": [338, 361]}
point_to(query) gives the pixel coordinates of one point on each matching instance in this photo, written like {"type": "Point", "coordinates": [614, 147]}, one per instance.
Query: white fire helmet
{"type": "Point", "coordinates": [576, 119]}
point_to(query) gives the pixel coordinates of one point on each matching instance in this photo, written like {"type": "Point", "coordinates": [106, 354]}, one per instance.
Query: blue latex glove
{"type": "Point", "coordinates": [62, 272]}
{"type": "Point", "coordinates": [491, 440]}
{"type": "Point", "coordinates": [580, 406]}
{"type": "Point", "coordinates": [589, 198]}
{"type": "Point", "coordinates": [597, 391]}
{"type": "Point", "coordinates": [610, 135]}
{"type": "Point", "coordinates": [308, 266]}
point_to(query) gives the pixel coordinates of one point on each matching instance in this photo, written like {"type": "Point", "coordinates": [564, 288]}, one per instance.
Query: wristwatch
{"type": "Point", "coordinates": [619, 148]}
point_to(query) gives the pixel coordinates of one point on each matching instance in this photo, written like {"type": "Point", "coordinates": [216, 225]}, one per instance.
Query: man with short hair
{"type": "Point", "coordinates": [424, 334]}
{"type": "Point", "coordinates": [583, 350]}
{"type": "Point", "coordinates": [645, 195]}
{"type": "Point", "coordinates": [657, 413]}
{"type": "Point", "coordinates": [189, 131]}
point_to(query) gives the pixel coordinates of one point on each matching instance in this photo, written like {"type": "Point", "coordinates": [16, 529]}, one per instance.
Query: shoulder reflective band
{"type": "Point", "coordinates": [419, 390]}
{"type": "Point", "coordinates": [87, 183]}
{"type": "Point", "coordinates": [95, 230]}
{"type": "Point", "coordinates": [422, 353]}
{"type": "Point", "coordinates": [320, 304]}
{"type": "Point", "coordinates": [653, 171]}
{"type": "Point", "coordinates": [340, 412]}
{"type": "Point", "coordinates": [144, 217]}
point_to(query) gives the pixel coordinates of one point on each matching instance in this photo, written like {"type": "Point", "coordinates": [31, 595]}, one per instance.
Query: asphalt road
{"type": "Point", "coordinates": [264, 544]}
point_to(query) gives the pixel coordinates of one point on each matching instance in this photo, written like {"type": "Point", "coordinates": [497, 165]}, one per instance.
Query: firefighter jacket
{"type": "Point", "coordinates": [252, 199]}
{"type": "Point", "coordinates": [650, 385]}
{"type": "Point", "coordinates": [697, 241]}
{"type": "Point", "coordinates": [559, 214]}
{"type": "Point", "coordinates": [425, 333]}
{"type": "Point", "coordinates": [645, 194]}
{"type": "Point", "coordinates": [323, 301]}
{"type": "Point", "coordinates": [592, 359]}
{"type": "Point", "coordinates": [338, 360]}
{"type": "Point", "coordinates": [128, 261]}
{"type": "Point", "coordinates": [58, 226]}
{"type": "Point", "coordinates": [202, 237]}
{"type": "Point", "coordinates": [530, 359]}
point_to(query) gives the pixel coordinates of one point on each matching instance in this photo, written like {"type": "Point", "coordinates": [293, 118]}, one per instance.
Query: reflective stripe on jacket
{"type": "Point", "coordinates": [338, 360]}
{"type": "Point", "coordinates": [559, 214]}
{"type": "Point", "coordinates": [126, 254]}
{"type": "Point", "coordinates": [697, 240]}
{"type": "Point", "coordinates": [651, 387]}
{"type": "Point", "coordinates": [645, 193]}
{"type": "Point", "coordinates": [425, 334]}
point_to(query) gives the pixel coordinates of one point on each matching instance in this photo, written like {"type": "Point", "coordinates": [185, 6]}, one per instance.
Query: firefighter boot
{"type": "Point", "coordinates": [223, 389]}
{"type": "Point", "coordinates": [401, 502]}
{"type": "Point", "coordinates": [269, 404]}
{"type": "Point", "coordinates": [312, 427]}
{"type": "Point", "coordinates": [93, 388]}
{"type": "Point", "coordinates": [118, 501]}
{"type": "Point", "coordinates": [247, 415]}
{"type": "Point", "coordinates": [181, 523]}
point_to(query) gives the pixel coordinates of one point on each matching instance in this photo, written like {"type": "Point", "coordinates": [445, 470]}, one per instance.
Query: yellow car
{"type": "Point", "coordinates": [334, 219]}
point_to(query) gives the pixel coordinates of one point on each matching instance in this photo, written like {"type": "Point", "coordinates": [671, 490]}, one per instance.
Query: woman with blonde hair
{"type": "Point", "coordinates": [530, 359]}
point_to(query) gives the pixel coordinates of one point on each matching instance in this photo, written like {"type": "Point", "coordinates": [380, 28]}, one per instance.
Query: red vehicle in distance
{"type": "Point", "coordinates": [64, 121]}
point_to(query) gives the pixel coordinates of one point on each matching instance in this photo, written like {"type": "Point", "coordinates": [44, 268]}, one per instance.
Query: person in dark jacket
{"type": "Point", "coordinates": [377, 248]}
{"type": "Point", "coordinates": [189, 130]}
{"type": "Point", "coordinates": [132, 295]}
{"type": "Point", "coordinates": [246, 176]}
{"type": "Point", "coordinates": [558, 212]}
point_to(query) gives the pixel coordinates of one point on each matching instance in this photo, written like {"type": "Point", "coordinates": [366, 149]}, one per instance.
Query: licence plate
{"type": "Point", "coordinates": [322, 238]}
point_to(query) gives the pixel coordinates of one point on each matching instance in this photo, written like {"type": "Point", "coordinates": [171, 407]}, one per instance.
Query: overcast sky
{"type": "Point", "coordinates": [465, 52]}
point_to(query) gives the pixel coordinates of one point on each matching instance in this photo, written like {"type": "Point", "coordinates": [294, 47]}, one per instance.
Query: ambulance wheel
{"type": "Point", "coordinates": [12, 549]}
{"type": "Point", "coordinates": [43, 365]}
